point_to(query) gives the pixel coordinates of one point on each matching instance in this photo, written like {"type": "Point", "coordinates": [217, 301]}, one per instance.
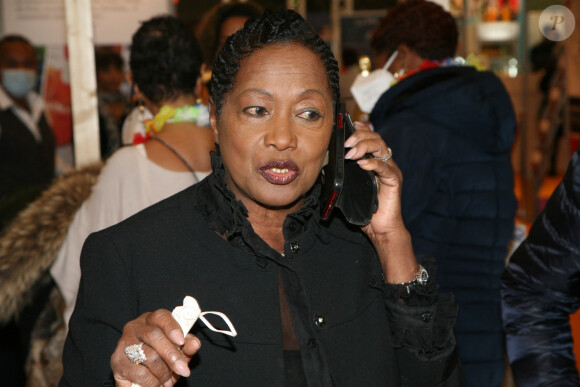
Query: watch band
{"type": "Point", "coordinates": [421, 277]}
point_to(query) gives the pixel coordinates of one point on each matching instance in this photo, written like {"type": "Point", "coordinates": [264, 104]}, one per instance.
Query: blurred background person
{"type": "Point", "coordinates": [451, 129]}
{"type": "Point", "coordinates": [113, 104]}
{"type": "Point", "coordinates": [27, 143]}
{"type": "Point", "coordinates": [215, 26]}
{"type": "Point", "coordinates": [172, 155]}
{"type": "Point", "coordinates": [27, 166]}
{"type": "Point", "coordinates": [540, 291]}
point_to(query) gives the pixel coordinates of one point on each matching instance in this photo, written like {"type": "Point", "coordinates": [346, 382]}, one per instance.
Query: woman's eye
{"type": "Point", "coordinates": [256, 111]}
{"type": "Point", "coordinates": [310, 115]}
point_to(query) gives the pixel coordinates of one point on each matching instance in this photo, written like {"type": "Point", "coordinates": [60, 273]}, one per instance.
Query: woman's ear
{"type": "Point", "coordinates": [213, 121]}
{"type": "Point", "coordinates": [400, 61]}
{"type": "Point", "coordinates": [408, 58]}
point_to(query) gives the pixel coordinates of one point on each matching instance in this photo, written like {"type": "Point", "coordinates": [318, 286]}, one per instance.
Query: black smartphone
{"type": "Point", "coordinates": [333, 171]}
{"type": "Point", "coordinates": [346, 186]}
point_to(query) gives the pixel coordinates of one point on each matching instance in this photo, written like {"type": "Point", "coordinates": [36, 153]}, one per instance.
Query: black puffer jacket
{"type": "Point", "coordinates": [451, 130]}
{"type": "Point", "coordinates": [541, 288]}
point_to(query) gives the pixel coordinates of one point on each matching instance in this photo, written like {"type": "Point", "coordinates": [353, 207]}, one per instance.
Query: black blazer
{"type": "Point", "coordinates": [155, 258]}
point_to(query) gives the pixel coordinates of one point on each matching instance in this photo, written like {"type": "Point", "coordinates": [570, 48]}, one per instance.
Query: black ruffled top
{"type": "Point", "coordinates": [227, 216]}
{"type": "Point", "coordinates": [421, 319]}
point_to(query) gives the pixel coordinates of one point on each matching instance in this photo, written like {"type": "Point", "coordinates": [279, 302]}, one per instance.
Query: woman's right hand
{"type": "Point", "coordinates": [167, 351]}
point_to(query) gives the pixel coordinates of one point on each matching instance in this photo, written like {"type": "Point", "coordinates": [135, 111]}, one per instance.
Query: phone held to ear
{"type": "Point", "coordinates": [345, 185]}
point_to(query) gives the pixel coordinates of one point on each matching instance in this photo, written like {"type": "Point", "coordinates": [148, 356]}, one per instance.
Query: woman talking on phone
{"type": "Point", "coordinates": [313, 303]}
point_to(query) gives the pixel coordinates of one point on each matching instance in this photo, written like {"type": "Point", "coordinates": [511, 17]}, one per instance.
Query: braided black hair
{"type": "Point", "coordinates": [273, 27]}
{"type": "Point", "coordinates": [165, 59]}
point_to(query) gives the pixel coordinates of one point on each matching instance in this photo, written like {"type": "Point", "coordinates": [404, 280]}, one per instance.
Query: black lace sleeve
{"type": "Point", "coordinates": [421, 323]}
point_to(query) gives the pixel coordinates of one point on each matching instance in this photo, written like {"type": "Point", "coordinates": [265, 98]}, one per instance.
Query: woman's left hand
{"type": "Point", "coordinates": [386, 229]}
{"type": "Point", "coordinates": [388, 217]}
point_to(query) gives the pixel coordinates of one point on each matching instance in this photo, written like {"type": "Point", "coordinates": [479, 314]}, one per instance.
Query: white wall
{"type": "Point", "coordinates": [43, 22]}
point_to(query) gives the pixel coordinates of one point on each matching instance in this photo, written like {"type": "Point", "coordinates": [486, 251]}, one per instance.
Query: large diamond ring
{"type": "Point", "coordinates": [135, 353]}
{"type": "Point", "coordinates": [387, 157]}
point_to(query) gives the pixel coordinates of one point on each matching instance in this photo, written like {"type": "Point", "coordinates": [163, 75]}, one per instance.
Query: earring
{"type": "Point", "coordinates": [399, 74]}
{"type": "Point", "coordinates": [137, 127]}
{"type": "Point", "coordinates": [141, 107]}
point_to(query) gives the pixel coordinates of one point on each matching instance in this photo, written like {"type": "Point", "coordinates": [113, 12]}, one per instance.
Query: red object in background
{"type": "Point", "coordinates": [514, 5]}
{"type": "Point", "coordinates": [56, 93]}
{"type": "Point", "coordinates": [58, 106]}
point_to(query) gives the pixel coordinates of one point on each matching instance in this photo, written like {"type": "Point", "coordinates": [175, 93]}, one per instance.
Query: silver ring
{"type": "Point", "coordinates": [135, 353]}
{"type": "Point", "coordinates": [387, 157]}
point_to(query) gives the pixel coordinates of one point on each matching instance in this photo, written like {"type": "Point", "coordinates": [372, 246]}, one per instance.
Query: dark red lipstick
{"type": "Point", "coordinates": [279, 172]}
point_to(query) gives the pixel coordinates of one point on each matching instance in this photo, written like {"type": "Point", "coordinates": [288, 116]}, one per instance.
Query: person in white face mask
{"type": "Point", "coordinates": [27, 143]}
{"type": "Point", "coordinates": [451, 129]}
{"type": "Point", "coordinates": [368, 88]}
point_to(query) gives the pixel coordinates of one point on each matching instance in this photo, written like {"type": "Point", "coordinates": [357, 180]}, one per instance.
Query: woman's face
{"type": "Point", "coordinates": [109, 79]}
{"type": "Point", "coordinates": [275, 126]}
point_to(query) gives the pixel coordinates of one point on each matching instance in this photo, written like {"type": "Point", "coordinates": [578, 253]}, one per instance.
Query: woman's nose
{"type": "Point", "coordinates": [281, 134]}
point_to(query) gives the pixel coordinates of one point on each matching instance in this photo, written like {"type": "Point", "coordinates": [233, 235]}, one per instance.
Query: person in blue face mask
{"type": "Point", "coordinates": [27, 154]}
{"type": "Point", "coordinates": [27, 143]}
